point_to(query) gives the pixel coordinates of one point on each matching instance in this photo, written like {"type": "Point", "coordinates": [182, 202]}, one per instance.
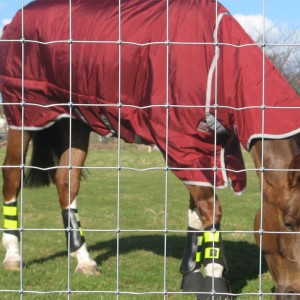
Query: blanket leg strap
{"type": "Point", "coordinates": [75, 234]}
{"type": "Point", "coordinates": [215, 265]}
{"type": "Point", "coordinates": [192, 279]}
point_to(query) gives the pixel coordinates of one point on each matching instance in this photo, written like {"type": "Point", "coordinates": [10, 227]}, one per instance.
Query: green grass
{"type": "Point", "coordinates": [141, 253]}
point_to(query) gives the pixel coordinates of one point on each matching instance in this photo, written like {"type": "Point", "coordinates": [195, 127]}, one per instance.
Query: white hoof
{"type": "Point", "coordinates": [88, 270]}
{"type": "Point", "coordinates": [12, 258]}
{"type": "Point", "coordinates": [11, 266]}
{"type": "Point", "coordinates": [86, 265]}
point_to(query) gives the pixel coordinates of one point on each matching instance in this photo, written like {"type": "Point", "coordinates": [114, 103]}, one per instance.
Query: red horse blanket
{"type": "Point", "coordinates": [170, 75]}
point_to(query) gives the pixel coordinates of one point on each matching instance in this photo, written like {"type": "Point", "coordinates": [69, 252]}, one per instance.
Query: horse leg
{"type": "Point", "coordinates": [204, 246]}
{"type": "Point", "coordinates": [11, 186]}
{"type": "Point", "coordinates": [67, 182]}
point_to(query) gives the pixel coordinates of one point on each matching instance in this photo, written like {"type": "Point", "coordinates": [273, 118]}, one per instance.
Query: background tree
{"type": "Point", "coordinates": [284, 51]}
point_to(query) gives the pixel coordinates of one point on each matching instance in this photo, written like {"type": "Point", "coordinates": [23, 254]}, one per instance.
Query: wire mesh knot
{"type": "Point", "coordinates": [213, 230]}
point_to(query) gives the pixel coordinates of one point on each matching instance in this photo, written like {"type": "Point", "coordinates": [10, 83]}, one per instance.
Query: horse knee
{"type": "Point", "coordinates": [67, 188]}
{"type": "Point", "coordinates": [205, 200]}
{"type": "Point", "coordinates": [61, 181]}
{"type": "Point", "coordinates": [17, 145]}
{"type": "Point", "coordinates": [62, 185]}
{"type": "Point", "coordinates": [11, 183]}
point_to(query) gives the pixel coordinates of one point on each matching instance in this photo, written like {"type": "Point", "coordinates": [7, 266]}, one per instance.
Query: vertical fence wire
{"type": "Point", "coordinates": [215, 166]}
{"type": "Point", "coordinates": [167, 148]}
{"type": "Point", "coordinates": [262, 152]}
{"type": "Point", "coordinates": [22, 151]}
{"type": "Point", "coordinates": [119, 166]}
{"type": "Point", "coordinates": [119, 148]}
{"type": "Point", "coordinates": [70, 105]}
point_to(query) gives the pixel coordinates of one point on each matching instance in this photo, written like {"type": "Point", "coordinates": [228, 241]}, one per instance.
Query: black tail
{"type": "Point", "coordinates": [46, 151]}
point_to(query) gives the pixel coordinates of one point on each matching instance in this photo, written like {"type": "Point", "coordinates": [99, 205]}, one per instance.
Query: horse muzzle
{"type": "Point", "coordinates": [287, 294]}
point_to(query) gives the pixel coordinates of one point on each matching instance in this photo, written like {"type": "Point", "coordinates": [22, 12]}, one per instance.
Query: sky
{"type": "Point", "coordinates": [281, 16]}
{"type": "Point", "coordinates": [279, 11]}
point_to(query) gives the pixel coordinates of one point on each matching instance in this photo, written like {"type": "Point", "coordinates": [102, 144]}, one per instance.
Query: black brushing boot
{"type": "Point", "coordinates": [192, 279]}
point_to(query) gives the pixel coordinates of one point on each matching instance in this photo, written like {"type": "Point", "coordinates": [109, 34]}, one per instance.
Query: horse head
{"type": "Point", "coordinates": [280, 234]}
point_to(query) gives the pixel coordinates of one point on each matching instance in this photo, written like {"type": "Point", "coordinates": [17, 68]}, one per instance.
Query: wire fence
{"type": "Point", "coordinates": [120, 107]}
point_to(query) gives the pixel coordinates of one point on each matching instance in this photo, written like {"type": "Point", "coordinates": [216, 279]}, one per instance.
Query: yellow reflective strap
{"type": "Point", "coordinates": [212, 253]}
{"type": "Point", "coordinates": [10, 211]}
{"type": "Point", "coordinates": [80, 231]}
{"type": "Point", "coordinates": [198, 256]}
{"type": "Point", "coordinates": [10, 224]}
{"type": "Point", "coordinates": [200, 240]}
{"type": "Point", "coordinates": [78, 221]}
{"type": "Point", "coordinates": [211, 237]}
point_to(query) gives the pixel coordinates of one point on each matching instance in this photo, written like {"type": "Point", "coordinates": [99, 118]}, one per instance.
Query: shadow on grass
{"type": "Point", "coordinates": [242, 257]}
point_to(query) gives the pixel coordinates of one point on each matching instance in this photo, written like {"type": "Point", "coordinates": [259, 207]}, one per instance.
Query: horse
{"type": "Point", "coordinates": [176, 77]}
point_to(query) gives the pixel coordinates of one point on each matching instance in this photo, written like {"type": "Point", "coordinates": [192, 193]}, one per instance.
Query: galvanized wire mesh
{"type": "Point", "coordinates": [117, 293]}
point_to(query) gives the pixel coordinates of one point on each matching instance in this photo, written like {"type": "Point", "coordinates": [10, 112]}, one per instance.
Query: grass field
{"type": "Point", "coordinates": [134, 259]}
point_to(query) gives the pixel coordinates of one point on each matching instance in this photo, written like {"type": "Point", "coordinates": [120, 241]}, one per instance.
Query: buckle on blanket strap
{"type": "Point", "coordinates": [215, 125]}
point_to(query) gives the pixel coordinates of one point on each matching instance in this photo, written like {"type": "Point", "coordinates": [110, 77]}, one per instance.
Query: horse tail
{"type": "Point", "coordinates": [45, 155]}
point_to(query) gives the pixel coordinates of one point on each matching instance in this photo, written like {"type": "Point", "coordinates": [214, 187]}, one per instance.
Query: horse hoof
{"type": "Point", "coordinates": [88, 270]}
{"type": "Point", "coordinates": [11, 266]}
{"type": "Point", "coordinates": [192, 282]}
{"type": "Point", "coordinates": [221, 287]}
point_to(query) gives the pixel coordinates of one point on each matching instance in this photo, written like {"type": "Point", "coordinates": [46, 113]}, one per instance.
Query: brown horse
{"type": "Point", "coordinates": [279, 217]}
{"type": "Point", "coordinates": [280, 207]}
{"type": "Point", "coordinates": [187, 89]}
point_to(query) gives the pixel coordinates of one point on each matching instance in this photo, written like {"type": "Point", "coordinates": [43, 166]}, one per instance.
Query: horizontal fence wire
{"type": "Point", "coordinates": [22, 292]}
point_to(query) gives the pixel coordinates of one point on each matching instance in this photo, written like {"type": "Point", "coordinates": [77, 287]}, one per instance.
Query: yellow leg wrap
{"type": "Point", "coordinates": [11, 224]}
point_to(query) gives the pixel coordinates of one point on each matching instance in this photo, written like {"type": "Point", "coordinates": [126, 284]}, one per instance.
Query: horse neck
{"type": "Point", "coordinates": [273, 156]}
